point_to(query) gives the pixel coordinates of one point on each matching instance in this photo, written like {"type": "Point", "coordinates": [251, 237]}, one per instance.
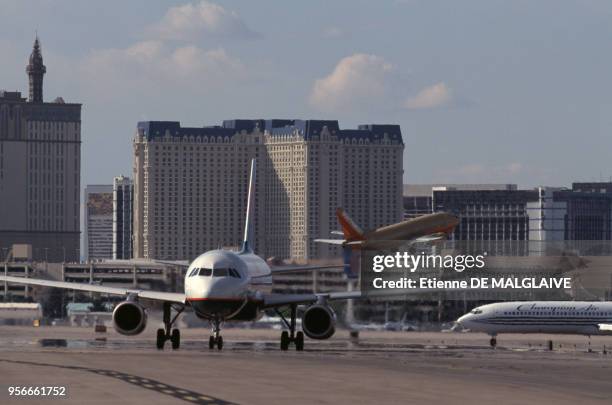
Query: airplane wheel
{"type": "Point", "coordinates": [211, 342]}
{"type": "Point", "coordinates": [220, 343]}
{"type": "Point", "coordinates": [493, 342]}
{"type": "Point", "coordinates": [299, 341]}
{"type": "Point", "coordinates": [161, 338]}
{"type": "Point", "coordinates": [284, 340]}
{"type": "Point", "coordinates": [175, 339]}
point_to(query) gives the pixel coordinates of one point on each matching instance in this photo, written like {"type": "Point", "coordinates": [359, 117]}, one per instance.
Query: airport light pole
{"type": "Point", "coordinates": [5, 282]}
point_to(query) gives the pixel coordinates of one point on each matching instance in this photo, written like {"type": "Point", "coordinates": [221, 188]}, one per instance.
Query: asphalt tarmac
{"type": "Point", "coordinates": [379, 367]}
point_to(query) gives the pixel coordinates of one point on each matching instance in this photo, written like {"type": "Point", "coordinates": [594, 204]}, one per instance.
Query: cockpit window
{"type": "Point", "coordinates": [476, 311]}
{"type": "Point", "coordinates": [220, 273]}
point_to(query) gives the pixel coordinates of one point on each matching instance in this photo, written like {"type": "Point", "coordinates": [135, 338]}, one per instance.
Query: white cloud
{"type": "Point", "coordinates": [359, 79]}
{"type": "Point", "coordinates": [161, 65]}
{"type": "Point", "coordinates": [191, 21]}
{"type": "Point", "coordinates": [190, 61]}
{"type": "Point", "coordinates": [430, 97]}
{"type": "Point", "coordinates": [154, 64]}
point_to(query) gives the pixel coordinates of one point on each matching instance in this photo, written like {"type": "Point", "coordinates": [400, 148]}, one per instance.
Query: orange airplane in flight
{"type": "Point", "coordinates": [422, 229]}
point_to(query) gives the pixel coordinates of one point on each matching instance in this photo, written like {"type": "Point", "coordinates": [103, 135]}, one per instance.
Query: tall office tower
{"type": "Point", "coordinates": [123, 190]}
{"type": "Point", "coordinates": [40, 167]}
{"type": "Point", "coordinates": [98, 221]}
{"type": "Point", "coordinates": [190, 184]}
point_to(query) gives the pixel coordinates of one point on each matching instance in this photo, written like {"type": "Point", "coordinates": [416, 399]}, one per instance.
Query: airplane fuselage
{"type": "Point", "coordinates": [218, 284]}
{"type": "Point", "coordinates": [423, 225]}
{"type": "Point", "coordinates": [566, 317]}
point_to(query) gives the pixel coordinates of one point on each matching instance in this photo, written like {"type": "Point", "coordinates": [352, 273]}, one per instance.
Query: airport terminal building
{"type": "Point", "coordinates": [190, 184]}
{"type": "Point", "coordinates": [40, 166]}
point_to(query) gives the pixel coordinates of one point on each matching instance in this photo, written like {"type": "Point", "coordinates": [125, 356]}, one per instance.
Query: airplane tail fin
{"type": "Point", "coordinates": [352, 261]}
{"type": "Point", "coordinates": [350, 229]}
{"type": "Point", "coordinates": [248, 244]}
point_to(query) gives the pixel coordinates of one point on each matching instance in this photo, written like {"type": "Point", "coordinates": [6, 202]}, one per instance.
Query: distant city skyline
{"type": "Point", "coordinates": [484, 91]}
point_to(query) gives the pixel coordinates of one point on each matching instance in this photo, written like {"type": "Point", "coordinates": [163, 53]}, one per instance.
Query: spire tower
{"type": "Point", "coordinates": [36, 70]}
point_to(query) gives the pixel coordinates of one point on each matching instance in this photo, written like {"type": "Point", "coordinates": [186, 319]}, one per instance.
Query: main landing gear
{"type": "Point", "coordinates": [493, 341]}
{"type": "Point", "coordinates": [290, 336]}
{"type": "Point", "coordinates": [173, 335]}
{"type": "Point", "coordinates": [215, 339]}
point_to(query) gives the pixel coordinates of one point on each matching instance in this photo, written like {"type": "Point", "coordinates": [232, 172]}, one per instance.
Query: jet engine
{"type": "Point", "coordinates": [319, 321]}
{"type": "Point", "coordinates": [129, 318]}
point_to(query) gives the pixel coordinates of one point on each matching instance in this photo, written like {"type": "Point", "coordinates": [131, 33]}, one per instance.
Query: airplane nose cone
{"type": "Point", "coordinates": [464, 320]}
{"type": "Point", "coordinates": [222, 287]}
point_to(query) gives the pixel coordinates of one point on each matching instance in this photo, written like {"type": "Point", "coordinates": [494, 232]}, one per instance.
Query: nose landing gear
{"type": "Point", "coordinates": [167, 333]}
{"type": "Point", "coordinates": [290, 336]}
{"type": "Point", "coordinates": [215, 339]}
{"type": "Point", "coordinates": [493, 341]}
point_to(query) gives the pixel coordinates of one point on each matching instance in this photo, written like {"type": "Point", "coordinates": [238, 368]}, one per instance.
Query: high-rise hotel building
{"type": "Point", "coordinates": [40, 166]}
{"type": "Point", "coordinates": [190, 184]}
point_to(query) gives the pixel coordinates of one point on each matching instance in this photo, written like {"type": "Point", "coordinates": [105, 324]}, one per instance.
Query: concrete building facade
{"type": "Point", "coordinates": [418, 198]}
{"type": "Point", "coordinates": [496, 214]}
{"type": "Point", "coordinates": [190, 184]}
{"type": "Point", "coordinates": [98, 222]}
{"type": "Point", "coordinates": [123, 190]}
{"type": "Point", "coordinates": [40, 166]}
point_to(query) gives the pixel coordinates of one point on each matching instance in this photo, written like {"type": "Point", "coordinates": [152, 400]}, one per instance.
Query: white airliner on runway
{"type": "Point", "coordinates": [567, 317]}
{"type": "Point", "coordinates": [218, 286]}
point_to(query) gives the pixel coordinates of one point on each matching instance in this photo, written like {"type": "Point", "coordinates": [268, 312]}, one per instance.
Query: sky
{"type": "Point", "coordinates": [485, 91]}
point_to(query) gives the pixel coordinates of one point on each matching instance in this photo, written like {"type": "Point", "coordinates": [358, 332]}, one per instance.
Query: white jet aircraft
{"type": "Point", "coordinates": [564, 317]}
{"type": "Point", "coordinates": [219, 287]}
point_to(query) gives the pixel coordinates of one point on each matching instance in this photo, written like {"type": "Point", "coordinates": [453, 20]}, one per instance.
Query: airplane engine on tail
{"type": "Point", "coordinates": [129, 318]}
{"type": "Point", "coordinates": [319, 321]}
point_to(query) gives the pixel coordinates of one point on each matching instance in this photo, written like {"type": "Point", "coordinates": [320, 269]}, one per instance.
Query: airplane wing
{"type": "Point", "coordinates": [377, 244]}
{"type": "Point", "coordinates": [279, 300]}
{"type": "Point", "coordinates": [144, 262]}
{"type": "Point", "coordinates": [331, 241]}
{"type": "Point", "coordinates": [295, 269]}
{"type": "Point", "coordinates": [179, 263]}
{"type": "Point", "coordinates": [430, 238]}
{"type": "Point", "coordinates": [146, 294]}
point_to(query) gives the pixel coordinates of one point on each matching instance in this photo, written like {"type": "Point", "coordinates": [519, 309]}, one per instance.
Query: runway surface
{"type": "Point", "coordinates": [381, 367]}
